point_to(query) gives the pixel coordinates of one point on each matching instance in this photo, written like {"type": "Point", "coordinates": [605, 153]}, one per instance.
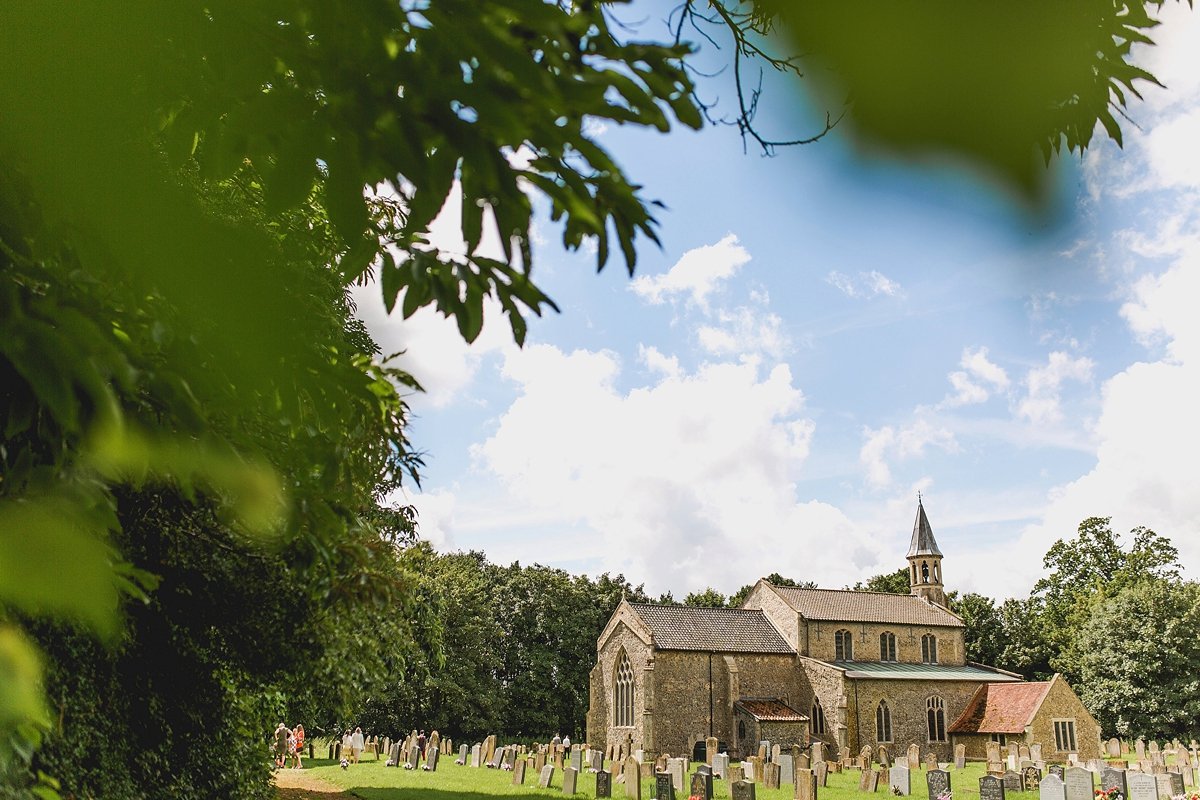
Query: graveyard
{"type": "Point", "coordinates": [1158, 774]}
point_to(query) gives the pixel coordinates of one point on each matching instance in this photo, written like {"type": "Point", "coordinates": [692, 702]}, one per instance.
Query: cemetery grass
{"type": "Point", "coordinates": [370, 780]}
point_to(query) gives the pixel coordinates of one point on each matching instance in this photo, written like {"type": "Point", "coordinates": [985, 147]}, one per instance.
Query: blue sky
{"type": "Point", "coordinates": [818, 339]}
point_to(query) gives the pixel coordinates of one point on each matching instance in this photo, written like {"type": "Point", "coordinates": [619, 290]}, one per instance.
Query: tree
{"type": "Point", "coordinates": [892, 582]}
{"type": "Point", "coordinates": [1135, 659]}
{"type": "Point", "coordinates": [709, 598]}
{"type": "Point", "coordinates": [984, 633]}
{"type": "Point", "coordinates": [775, 579]}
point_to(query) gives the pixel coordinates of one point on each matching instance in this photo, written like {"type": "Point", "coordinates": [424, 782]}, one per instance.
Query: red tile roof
{"type": "Point", "coordinates": [1001, 708]}
{"type": "Point", "coordinates": [768, 709]}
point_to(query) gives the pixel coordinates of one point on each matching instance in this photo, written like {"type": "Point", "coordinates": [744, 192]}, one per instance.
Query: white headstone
{"type": "Point", "coordinates": [1079, 783]}
{"type": "Point", "coordinates": [899, 780]}
{"type": "Point", "coordinates": [1052, 788]}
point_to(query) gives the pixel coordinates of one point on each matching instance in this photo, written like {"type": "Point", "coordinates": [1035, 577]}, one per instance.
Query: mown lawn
{"type": "Point", "coordinates": [370, 780]}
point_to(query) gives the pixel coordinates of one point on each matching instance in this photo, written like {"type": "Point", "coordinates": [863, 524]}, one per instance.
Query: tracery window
{"type": "Point", "coordinates": [817, 718]}
{"type": "Point", "coordinates": [887, 648]}
{"type": "Point", "coordinates": [623, 692]}
{"type": "Point", "coordinates": [929, 649]}
{"type": "Point", "coordinates": [843, 642]}
{"type": "Point", "coordinates": [883, 722]}
{"type": "Point", "coordinates": [935, 712]}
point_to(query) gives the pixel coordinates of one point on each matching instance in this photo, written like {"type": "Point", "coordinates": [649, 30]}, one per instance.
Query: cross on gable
{"type": "Point", "coordinates": [912, 638]}
{"type": "Point", "coordinates": [818, 631]}
{"type": "Point", "coordinates": [864, 633]}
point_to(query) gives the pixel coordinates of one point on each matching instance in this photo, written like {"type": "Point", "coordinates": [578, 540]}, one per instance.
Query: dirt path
{"type": "Point", "coordinates": [296, 784]}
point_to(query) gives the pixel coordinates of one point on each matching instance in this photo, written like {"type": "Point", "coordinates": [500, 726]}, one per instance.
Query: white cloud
{"type": "Point", "coordinates": [1042, 403]}
{"type": "Point", "coordinates": [696, 275]}
{"type": "Point", "coordinates": [967, 384]}
{"type": "Point", "coordinates": [435, 515]}
{"type": "Point", "coordinates": [688, 481]}
{"type": "Point", "coordinates": [867, 284]}
{"type": "Point", "coordinates": [745, 330]}
{"type": "Point", "coordinates": [899, 443]}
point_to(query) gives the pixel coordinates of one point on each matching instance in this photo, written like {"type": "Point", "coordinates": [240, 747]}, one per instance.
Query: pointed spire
{"type": "Point", "coordinates": [922, 543]}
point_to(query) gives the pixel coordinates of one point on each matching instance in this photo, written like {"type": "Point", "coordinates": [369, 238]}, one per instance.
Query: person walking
{"type": "Point", "coordinates": [421, 743]}
{"type": "Point", "coordinates": [557, 740]}
{"type": "Point", "coordinates": [356, 744]}
{"type": "Point", "coordinates": [567, 741]}
{"type": "Point", "coordinates": [298, 751]}
{"type": "Point", "coordinates": [280, 748]}
{"type": "Point", "coordinates": [347, 745]}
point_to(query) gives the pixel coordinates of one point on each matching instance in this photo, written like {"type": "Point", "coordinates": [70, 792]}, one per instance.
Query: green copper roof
{"type": "Point", "coordinates": [921, 672]}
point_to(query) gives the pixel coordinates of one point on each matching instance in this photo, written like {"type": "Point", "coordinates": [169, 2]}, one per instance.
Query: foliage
{"type": "Point", "coordinates": [984, 631]}
{"type": "Point", "coordinates": [775, 579]}
{"type": "Point", "coordinates": [892, 582]}
{"type": "Point", "coordinates": [709, 598]}
{"type": "Point", "coordinates": [1135, 659]}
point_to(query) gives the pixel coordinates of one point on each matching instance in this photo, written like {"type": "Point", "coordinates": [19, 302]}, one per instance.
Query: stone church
{"type": "Point", "coordinates": [849, 668]}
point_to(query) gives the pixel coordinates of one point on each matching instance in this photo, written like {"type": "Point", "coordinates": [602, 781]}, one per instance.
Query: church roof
{"type": "Point", "coordinates": [769, 709]}
{"type": "Point", "coordinates": [845, 605]}
{"type": "Point", "coordinates": [922, 672]}
{"type": "Point", "coordinates": [712, 630]}
{"type": "Point", "coordinates": [1001, 708]}
{"type": "Point", "coordinates": [922, 543]}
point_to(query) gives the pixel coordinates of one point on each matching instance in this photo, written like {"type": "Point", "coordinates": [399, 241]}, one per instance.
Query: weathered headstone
{"type": "Point", "coordinates": [720, 764]}
{"type": "Point", "coordinates": [960, 756]}
{"type": "Point", "coordinates": [633, 778]}
{"type": "Point", "coordinates": [862, 780]}
{"type": "Point", "coordinates": [995, 768]}
{"type": "Point", "coordinates": [570, 778]}
{"type": "Point", "coordinates": [1023, 753]}
{"type": "Point", "coordinates": [1165, 789]}
{"type": "Point", "coordinates": [1153, 746]}
{"type": "Point", "coordinates": [1176, 783]}
{"type": "Point", "coordinates": [1114, 748]}
{"type": "Point", "coordinates": [1114, 779]}
{"type": "Point", "coordinates": [1051, 788]}
{"type": "Point", "coordinates": [764, 750]}
{"type": "Point", "coordinates": [872, 781]}
{"type": "Point", "coordinates": [462, 754]}
{"type": "Point", "coordinates": [546, 776]}
{"type": "Point", "coordinates": [710, 749]}
{"type": "Point", "coordinates": [821, 773]}
{"type": "Point", "coordinates": [861, 762]}
{"type": "Point", "coordinates": [937, 781]}
{"type": "Point", "coordinates": [734, 773]}
{"type": "Point", "coordinates": [1079, 783]}
{"type": "Point", "coordinates": [577, 760]}
{"type": "Point", "coordinates": [775, 751]}
{"type": "Point", "coordinates": [818, 751]}
{"type": "Point", "coordinates": [991, 788]}
{"type": "Point", "coordinates": [677, 768]}
{"type": "Point", "coordinates": [748, 770]}
{"type": "Point", "coordinates": [1142, 787]}
{"type": "Point", "coordinates": [787, 768]}
{"type": "Point", "coordinates": [414, 756]}
{"type": "Point", "coordinates": [476, 751]}
{"type": "Point", "coordinates": [1012, 781]}
{"type": "Point", "coordinates": [701, 785]}
{"type": "Point", "coordinates": [1014, 750]}
{"type": "Point", "coordinates": [603, 784]}
{"type": "Point", "coordinates": [993, 751]}
{"type": "Point", "coordinates": [885, 760]}
{"type": "Point", "coordinates": [771, 775]}
{"type": "Point", "coordinates": [1057, 770]}
{"type": "Point", "coordinates": [806, 784]}
{"type": "Point", "coordinates": [802, 761]}
{"type": "Point", "coordinates": [899, 780]}
{"type": "Point", "coordinates": [742, 790]}
{"type": "Point", "coordinates": [1031, 777]}
{"type": "Point", "coordinates": [519, 771]}
{"type": "Point", "coordinates": [1140, 748]}
{"type": "Point", "coordinates": [431, 759]}
{"type": "Point", "coordinates": [1188, 777]}
{"type": "Point", "coordinates": [931, 761]}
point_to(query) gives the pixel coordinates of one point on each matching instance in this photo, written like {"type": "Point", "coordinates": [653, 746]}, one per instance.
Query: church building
{"type": "Point", "coordinates": [848, 668]}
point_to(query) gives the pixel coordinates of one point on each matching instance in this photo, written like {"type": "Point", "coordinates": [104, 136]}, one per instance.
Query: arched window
{"type": "Point", "coordinates": [883, 722]}
{"type": "Point", "coordinates": [935, 711]}
{"type": "Point", "coordinates": [929, 649]}
{"type": "Point", "coordinates": [623, 692]}
{"type": "Point", "coordinates": [817, 720]}
{"type": "Point", "coordinates": [887, 651]}
{"type": "Point", "coordinates": [937, 573]}
{"type": "Point", "coordinates": [924, 572]}
{"type": "Point", "coordinates": [914, 568]}
{"type": "Point", "coordinates": [843, 642]}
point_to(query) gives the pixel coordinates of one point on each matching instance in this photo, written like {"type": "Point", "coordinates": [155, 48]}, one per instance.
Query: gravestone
{"type": "Point", "coordinates": [993, 751]}
{"type": "Point", "coordinates": [701, 786]}
{"type": "Point", "coordinates": [576, 760]}
{"type": "Point", "coordinates": [1023, 753]}
{"type": "Point", "coordinates": [775, 751]}
{"type": "Point", "coordinates": [1165, 789]}
{"type": "Point", "coordinates": [818, 751]}
{"type": "Point", "coordinates": [1014, 750]}
{"type": "Point", "coordinates": [1031, 777]}
{"type": "Point", "coordinates": [937, 781]}
{"type": "Point", "coordinates": [931, 761]}
{"type": "Point", "coordinates": [1176, 783]}
{"type": "Point", "coordinates": [519, 772]}
{"type": "Point", "coordinates": [1079, 784]}
{"type": "Point", "coordinates": [1140, 748]}
{"type": "Point", "coordinates": [1057, 770]}
{"type": "Point", "coordinates": [748, 770]}
{"type": "Point", "coordinates": [899, 780]}
{"type": "Point", "coordinates": [995, 768]}
{"type": "Point", "coordinates": [431, 759]}
{"type": "Point", "coordinates": [806, 784]}
{"type": "Point", "coordinates": [570, 778]}
{"type": "Point", "coordinates": [861, 762]}
{"type": "Point", "coordinates": [414, 756]}
{"type": "Point", "coordinates": [862, 780]}
{"type": "Point", "coordinates": [960, 756]}
{"type": "Point", "coordinates": [764, 750]}
{"type": "Point", "coordinates": [1188, 778]}
{"type": "Point", "coordinates": [991, 788]}
{"type": "Point", "coordinates": [633, 778]}
{"type": "Point", "coordinates": [834, 766]}
{"type": "Point", "coordinates": [787, 768]}
{"type": "Point", "coordinates": [1012, 781]}
{"type": "Point", "coordinates": [884, 759]}
{"type": "Point", "coordinates": [1052, 788]}
{"type": "Point", "coordinates": [742, 790]}
{"type": "Point", "coordinates": [734, 773]}
{"type": "Point", "coordinates": [462, 753]}
{"type": "Point", "coordinates": [720, 765]}
{"type": "Point", "coordinates": [914, 758]}
{"type": "Point", "coordinates": [1114, 779]}
{"type": "Point", "coordinates": [603, 784]}
{"type": "Point", "coordinates": [710, 749]}
{"type": "Point", "coordinates": [1114, 748]}
{"type": "Point", "coordinates": [677, 768]}
{"type": "Point", "coordinates": [872, 780]}
{"type": "Point", "coordinates": [802, 761]}
{"type": "Point", "coordinates": [771, 776]}
{"type": "Point", "coordinates": [476, 750]}
{"type": "Point", "coordinates": [546, 777]}
{"type": "Point", "coordinates": [1153, 746]}
{"type": "Point", "coordinates": [1142, 787]}
{"type": "Point", "coordinates": [820, 773]}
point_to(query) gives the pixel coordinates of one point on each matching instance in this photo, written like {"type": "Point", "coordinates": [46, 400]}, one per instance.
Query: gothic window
{"type": "Point", "coordinates": [924, 572]}
{"type": "Point", "coordinates": [817, 719]}
{"type": "Point", "coordinates": [883, 722]}
{"type": "Point", "coordinates": [843, 642]}
{"type": "Point", "coordinates": [887, 651]}
{"type": "Point", "coordinates": [623, 692]}
{"type": "Point", "coordinates": [929, 649]}
{"type": "Point", "coordinates": [935, 711]}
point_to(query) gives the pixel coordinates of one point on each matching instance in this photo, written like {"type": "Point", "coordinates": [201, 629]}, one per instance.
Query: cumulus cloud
{"type": "Point", "coordinates": [687, 481]}
{"type": "Point", "coordinates": [696, 275]}
{"type": "Point", "coordinates": [745, 330]}
{"type": "Point", "coordinates": [435, 515]}
{"type": "Point", "coordinates": [967, 384]}
{"type": "Point", "coordinates": [899, 443]}
{"type": "Point", "coordinates": [867, 284]}
{"type": "Point", "coordinates": [1042, 403]}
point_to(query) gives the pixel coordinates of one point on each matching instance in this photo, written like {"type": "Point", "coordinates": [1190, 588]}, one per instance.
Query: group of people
{"type": "Point", "coordinates": [353, 745]}
{"type": "Point", "coordinates": [288, 742]}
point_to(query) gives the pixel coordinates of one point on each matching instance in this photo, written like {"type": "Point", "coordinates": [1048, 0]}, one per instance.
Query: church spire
{"type": "Point", "coordinates": [922, 543]}
{"type": "Point", "coordinates": [925, 560]}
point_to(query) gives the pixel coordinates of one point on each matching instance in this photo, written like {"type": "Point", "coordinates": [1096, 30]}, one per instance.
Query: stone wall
{"type": "Point", "coordinates": [785, 618]}
{"type": "Point", "coordinates": [821, 644]}
{"type": "Point", "coordinates": [907, 701]}
{"type": "Point", "coordinates": [828, 683]}
{"type": "Point", "coordinates": [1061, 702]}
{"type": "Point", "coordinates": [598, 713]}
{"type": "Point", "coordinates": [640, 657]}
